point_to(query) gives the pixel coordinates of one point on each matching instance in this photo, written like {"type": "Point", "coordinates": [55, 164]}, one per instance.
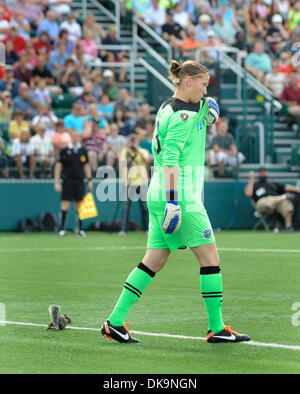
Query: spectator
{"type": "Point", "coordinates": [293, 18]}
{"type": "Point", "coordinates": [228, 14]}
{"type": "Point", "coordinates": [116, 142]}
{"type": "Point", "coordinates": [212, 56]}
{"type": "Point", "coordinates": [18, 41]}
{"type": "Point", "coordinates": [64, 38]}
{"type": "Point", "coordinates": [285, 65]}
{"type": "Point", "coordinates": [32, 11]}
{"type": "Point", "coordinates": [4, 167]}
{"type": "Point", "coordinates": [6, 108]}
{"type": "Point", "coordinates": [61, 7]}
{"type": "Point", "coordinates": [190, 44]}
{"type": "Point", "coordinates": [22, 153]}
{"type": "Point", "coordinates": [49, 25]}
{"type": "Point", "coordinates": [22, 24]}
{"type": "Point", "coordinates": [4, 25]}
{"type": "Point", "coordinates": [29, 50]}
{"type": "Point", "coordinates": [129, 105]}
{"type": "Point", "coordinates": [42, 149]}
{"type": "Point", "coordinates": [9, 82]}
{"type": "Point", "coordinates": [181, 17]}
{"type": "Point", "coordinates": [26, 101]}
{"type": "Point", "coordinates": [75, 119]}
{"type": "Point", "coordinates": [42, 44]}
{"type": "Point", "coordinates": [7, 12]}
{"type": "Point", "coordinates": [225, 31]}
{"type": "Point", "coordinates": [18, 125]}
{"type": "Point", "coordinates": [114, 55]}
{"type": "Point", "coordinates": [283, 8]}
{"type": "Point", "coordinates": [203, 27]}
{"type": "Point", "coordinates": [95, 142]}
{"type": "Point", "coordinates": [277, 36]}
{"type": "Point", "coordinates": [22, 72]}
{"type": "Point", "coordinates": [225, 149]}
{"type": "Point", "coordinates": [106, 108]}
{"type": "Point", "coordinates": [275, 80]}
{"type": "Point", "coordinates": [258, 62]}
{"type": "Point", "coordinates": [241, 44]}
{"type": "Point", "coordinates": [71, 78]}
{"type": "Point", "coordinates": [42, 92]}
{"type": "Point", "coordinates": [72, 27]}
{"type": "Point", "coordinates": [109, 86]}
{"type": "Point", "coordinates": [270, 197]}
{"type": "Point", "coordinates": [291, 96]}
{"type": "Point", "coordinates": [146, 143]}
{"type": "Point", "coordinates": [255, 24]}
{"type": "Point", "coordinates": [173, 32]}
{"type": "Point", "coordinates": [40, 71]}
{"type": "Point", "coordinates": [96, 29]}
{"type": "Point", "coordinates": [94, 113]}
{"type": "Point", "coordinates": [86, 99]}
{"type": "Point", "coordinates": [60, 139]}
{"type": "Point", "coordinates": [155, 16]}
{"type": "Point", "coordinates": [144, 115]}
{"type": "Point", "coordinates": [11, 57]}
{"type": "Point", "coordinates": [140, 7]}
{"type": "Point", "coordinates": [57, 60]}
{"type": "Point", "coordinates": [89, 44]}
{"type": "Point", "coordinates": [45, 117]}
{"type": "Point", "coordinates": [123, 124]}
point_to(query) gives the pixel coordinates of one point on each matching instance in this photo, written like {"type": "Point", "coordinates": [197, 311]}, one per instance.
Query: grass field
{"type": "Point", "coordinates": [261, 281]}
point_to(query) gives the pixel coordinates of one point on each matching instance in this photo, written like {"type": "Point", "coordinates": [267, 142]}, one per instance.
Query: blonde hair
{"type": "Point", "coordinates": [190, 68]}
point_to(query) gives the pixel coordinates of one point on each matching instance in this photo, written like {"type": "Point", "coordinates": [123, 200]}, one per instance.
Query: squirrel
{"type": "Point", "coordinates": [58, 321]}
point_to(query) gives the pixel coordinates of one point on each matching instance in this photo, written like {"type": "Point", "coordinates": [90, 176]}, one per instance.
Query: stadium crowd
{"type": "Point", "coordinates": [53, 82]}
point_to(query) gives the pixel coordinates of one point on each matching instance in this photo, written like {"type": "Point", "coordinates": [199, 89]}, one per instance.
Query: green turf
{"type": "Point", "coordinates": [37, 270]}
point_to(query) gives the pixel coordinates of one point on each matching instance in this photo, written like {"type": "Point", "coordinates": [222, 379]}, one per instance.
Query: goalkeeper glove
{"type": "Point", "coordinates": [172, 218]}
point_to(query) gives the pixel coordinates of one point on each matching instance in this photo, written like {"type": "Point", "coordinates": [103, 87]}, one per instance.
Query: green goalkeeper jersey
{"type": "Point", "coordinates": [179, 141]}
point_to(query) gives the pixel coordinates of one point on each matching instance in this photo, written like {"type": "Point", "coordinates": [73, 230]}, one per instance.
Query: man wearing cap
{"type": "Point", "coordinates": [277, 35]}
{"type": "Point", "coordinates": [42, 149]}
{"type": "Point", "coordinates": [203, 27]}
{"type": "Point", "coordinates": [109, 87]}
{"type": "Point", "coordinates": [270, 197]}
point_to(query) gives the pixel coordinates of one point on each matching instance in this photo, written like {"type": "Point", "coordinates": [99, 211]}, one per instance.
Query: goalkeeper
{"type": "Point", "coordinates": [177, 217]}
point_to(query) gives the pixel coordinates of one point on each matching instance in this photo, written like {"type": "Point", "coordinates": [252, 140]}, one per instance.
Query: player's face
{"type": "Point", "coordinates": [198, 88]}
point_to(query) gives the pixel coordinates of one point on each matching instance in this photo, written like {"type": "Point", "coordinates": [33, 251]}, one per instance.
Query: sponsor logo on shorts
{"type": "Point", "coordinates": [184, 117]}
{"type": "Point", "coordinates": [207, 233]}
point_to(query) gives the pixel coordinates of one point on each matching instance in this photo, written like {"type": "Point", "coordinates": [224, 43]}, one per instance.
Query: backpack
{"type": "Point", "coordinates": [28, 225]}
{"type": "Point", "coordinates": [48, 222]}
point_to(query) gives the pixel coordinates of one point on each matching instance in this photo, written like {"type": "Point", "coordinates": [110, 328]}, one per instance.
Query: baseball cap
{"type": "Point", "coordinates": [262, 168]}
{"type": "Point", "coordinates": [210, 33]}
{"type": "Point", "coordinates": [276, 18]}
{"type": "Point", "coordinates": [108, 74]}
{"type": "Point", "coordinates": [41, 126]}
{"type": "Point", "coordinates": [204, 18]}
{"type": "Point", "coordinates": [9, 67]}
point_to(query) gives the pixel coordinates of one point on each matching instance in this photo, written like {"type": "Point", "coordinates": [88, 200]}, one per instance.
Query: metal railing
{"type": "Point", "coordinates": [113, 17]}
{"type": "Point", "coordinates": [138, 23]}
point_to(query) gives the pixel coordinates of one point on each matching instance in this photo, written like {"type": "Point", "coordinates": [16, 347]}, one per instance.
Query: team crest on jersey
{"type": "Point", "coordinates": [184, 117]}
{"type": "Point", "coordinates": [82, 158]}
{"type": "Point", "coordinates": [207, 233]}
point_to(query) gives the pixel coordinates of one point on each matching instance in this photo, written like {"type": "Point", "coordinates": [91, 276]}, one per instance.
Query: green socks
{"type": "Point", "coordinates": [136, 283]}
{"type": "Point", "coordinates": [211, 287]}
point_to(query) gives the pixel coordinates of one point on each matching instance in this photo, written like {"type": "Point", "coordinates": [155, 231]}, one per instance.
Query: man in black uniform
{"type": "Point", "coordinates": [272, 197]}
{"type": "Point", "coordinates": [73, 167]}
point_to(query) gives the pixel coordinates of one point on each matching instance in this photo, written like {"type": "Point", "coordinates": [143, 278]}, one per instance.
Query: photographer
{"type": "Point", "coordinates": [134, 163]}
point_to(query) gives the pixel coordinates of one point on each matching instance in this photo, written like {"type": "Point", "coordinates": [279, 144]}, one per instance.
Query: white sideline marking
{"type": "Point", "coordinates": [153, 334]}
{"type": "Point", "coordinates": [117, 248]}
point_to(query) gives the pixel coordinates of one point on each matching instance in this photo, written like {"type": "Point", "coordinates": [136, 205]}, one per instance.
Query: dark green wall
{"type": "Point", "coordinates": [225, 203]}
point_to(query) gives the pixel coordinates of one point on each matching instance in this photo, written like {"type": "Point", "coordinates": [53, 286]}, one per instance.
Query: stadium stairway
{"type": "Point", "coordinates": [284, 137]}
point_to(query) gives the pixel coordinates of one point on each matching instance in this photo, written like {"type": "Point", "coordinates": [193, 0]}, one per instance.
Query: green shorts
{"type": "Point", "coordinates": [195, 230]}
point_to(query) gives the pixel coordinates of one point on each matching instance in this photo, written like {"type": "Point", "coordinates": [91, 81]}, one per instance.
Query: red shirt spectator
{"type": "Point", "coordinates": [291, 93]}
{"type": "Point", "coordinates": [18, 41]}
{"type": "Point", "coordinates": [42, 44]}
{"type": "Point", "coordinates": [7, 13]}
